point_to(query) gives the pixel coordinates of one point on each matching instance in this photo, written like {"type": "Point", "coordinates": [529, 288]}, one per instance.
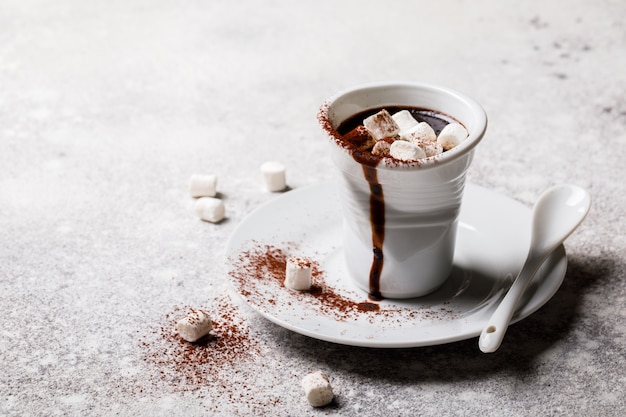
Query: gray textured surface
{"type": "Point", "coordinates": [107, 108]}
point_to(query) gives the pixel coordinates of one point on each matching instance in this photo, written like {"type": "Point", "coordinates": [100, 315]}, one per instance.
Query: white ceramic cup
{"type": "Point", "coordinates": [421, 199]}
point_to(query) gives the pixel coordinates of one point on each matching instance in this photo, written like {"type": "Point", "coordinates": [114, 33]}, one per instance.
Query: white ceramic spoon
{"type": "Point", "coordinates": [555, 215]}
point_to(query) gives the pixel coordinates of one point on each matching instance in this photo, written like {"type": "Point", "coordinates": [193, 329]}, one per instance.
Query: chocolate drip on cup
{"type": "Point", "coordinates": [377, 220]}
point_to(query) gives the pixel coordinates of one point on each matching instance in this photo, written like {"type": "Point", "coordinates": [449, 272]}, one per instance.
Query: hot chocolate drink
{"type": "Point", "coordinates": [401, 181]}
{"type": "Point", "coordinates": [363, 143]}
{"type": "Point", "coordinates": [364, 134]}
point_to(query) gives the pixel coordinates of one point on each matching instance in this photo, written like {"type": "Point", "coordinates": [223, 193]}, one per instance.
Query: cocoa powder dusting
{"type": "Point", "coordinates": [259, 272]}
{"type": "Point", "coordinates": [222, 368]}
{"type": "Point", "coordinates": [268, 263]}
{"type": "Point", "coordinates": [183, 366]}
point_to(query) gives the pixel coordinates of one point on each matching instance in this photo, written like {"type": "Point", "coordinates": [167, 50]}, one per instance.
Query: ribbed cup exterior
{"type": "Point", "coordinates": [421, 211]}
{"type": "Point", "coordinates": [422, 200]}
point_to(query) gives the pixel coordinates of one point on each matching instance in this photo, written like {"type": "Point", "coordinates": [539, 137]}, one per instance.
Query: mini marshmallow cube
{"type": "Point", "coordinates": [430, 148]}
{"type": "Point", "coordinates": [298, 274]}
{"type": "Point", "coordinates": [274, 176]}
{"type": "Point", "coordinates": [361, 138]}
{"type": "Point", "coordinates": [421, 132]}
{"type": "Point", "coordinates": [210, 209]}
{"type": "Point", "coordinates": [381, 148]}
{"type": "Point", "coordinates": [317, 389]}
{"type": "Point", "coordinates": [405, 121]}
{"type": "Point", "coordinates": [203, 185]}
{"type": "Point", "coordinates": [406, 151]}
{"type": "Point", "coordinates": [195, 326]}
{"type": "Point", "coordinates": [381, 125]}
{"type": "Point", "coordinates": [452, 135]}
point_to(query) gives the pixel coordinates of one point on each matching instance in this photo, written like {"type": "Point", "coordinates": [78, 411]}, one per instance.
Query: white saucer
{"type": "Point", "coordinates": [492, 241]}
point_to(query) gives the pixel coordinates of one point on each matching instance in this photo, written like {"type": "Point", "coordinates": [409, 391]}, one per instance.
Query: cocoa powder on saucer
{"type": "Point", "coordinates": [258, 273]}
{"type": "Point", "coordinates": [257, 266]}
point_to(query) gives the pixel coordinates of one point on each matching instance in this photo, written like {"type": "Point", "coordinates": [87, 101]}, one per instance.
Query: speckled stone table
{"type": "Point", "coordinates": [108, 107]}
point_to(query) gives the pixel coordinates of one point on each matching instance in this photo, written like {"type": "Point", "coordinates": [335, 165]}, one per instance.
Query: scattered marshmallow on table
{"type": "Point", "coordinates": [210, 209]}
{"type": "Point", "coordinates": [298, 273]}
{"type": "Point", "coordinates": [274, 176]}
{"type": "Point", "coordinates": [452, 135]}
{"type": "Point", "coordinates": [317, 389]}
{"type": "Point", "coordinates": [406, 151]}
{"type": "Point", "coordinates": [203, 185]}
{"type": "Point", "coordinates": [381, 125]}
{"type": "Point", "coordinates": [195, 326]}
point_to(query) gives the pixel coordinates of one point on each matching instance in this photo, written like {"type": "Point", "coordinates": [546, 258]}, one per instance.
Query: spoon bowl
{"type": "Point", "coordinates": [556, 214]}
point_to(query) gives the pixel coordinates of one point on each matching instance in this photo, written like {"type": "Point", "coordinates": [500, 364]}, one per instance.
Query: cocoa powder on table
{"type": "Point", "coordinates": [185, 366]}
{"type": "Point", "coordinates": [206, 367]}
{"type": "Point", "coordinates": [221, 370]}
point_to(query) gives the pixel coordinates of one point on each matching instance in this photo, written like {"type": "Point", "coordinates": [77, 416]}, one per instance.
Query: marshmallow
{"type": "Point", "coordinates": [361, 138]}
{"type": "Point", "coordinates": [421, 132]}
{"type": "Point", "coordinates": [202, 185]}
{"type": "Point", "coordinates": [298, 274]}
{"type": "Point", "coordinates": [381, 148]}
{"type": "Point", "coordinates": [430, 148]}
{"type": "Point", "coordinates": [452, 135]}
{"type": "Point", "coordinates": [381, 125]}
{"type": "Point", "coordinates": [274, 176]}
{"type": "Point", "coordinates": [210, 209]}
{"type": "Point", "coordinates": [405, 121]}
{"type": "Point", "coordinates": [195, 326]}
{"type": "Point", "coordinates": [406, 151]}
{"type": "Point", "coordinates": [317, 389]}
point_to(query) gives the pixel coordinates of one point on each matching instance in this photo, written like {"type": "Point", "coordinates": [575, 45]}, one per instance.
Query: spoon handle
{"type": "Point", "coordinates": [492, 335]}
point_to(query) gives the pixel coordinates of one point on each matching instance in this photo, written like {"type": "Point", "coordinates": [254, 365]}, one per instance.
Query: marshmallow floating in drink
{"type": "Point", "coordinates": [361, 138]}
{"type": "Point", "coordinates": [382, 125]}
{"type": "Point", "coordinates": [421, 132]}
{"type": "Point", "coordinates": [406, 151]}
{"type": "Point", "coordinates": [405, 121]}
{"type": "Point", "coordinates": [430, 148]}
{"type": "Point", "coordinates": [381, 148]}
{"type": "Point", "coordinates": [392, 136]}
{"type": "Point", "coordinates": [452, 135]}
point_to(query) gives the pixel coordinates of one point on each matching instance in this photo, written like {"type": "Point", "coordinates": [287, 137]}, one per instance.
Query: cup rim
{"type": "Point", "coordinates": [475, 136]}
